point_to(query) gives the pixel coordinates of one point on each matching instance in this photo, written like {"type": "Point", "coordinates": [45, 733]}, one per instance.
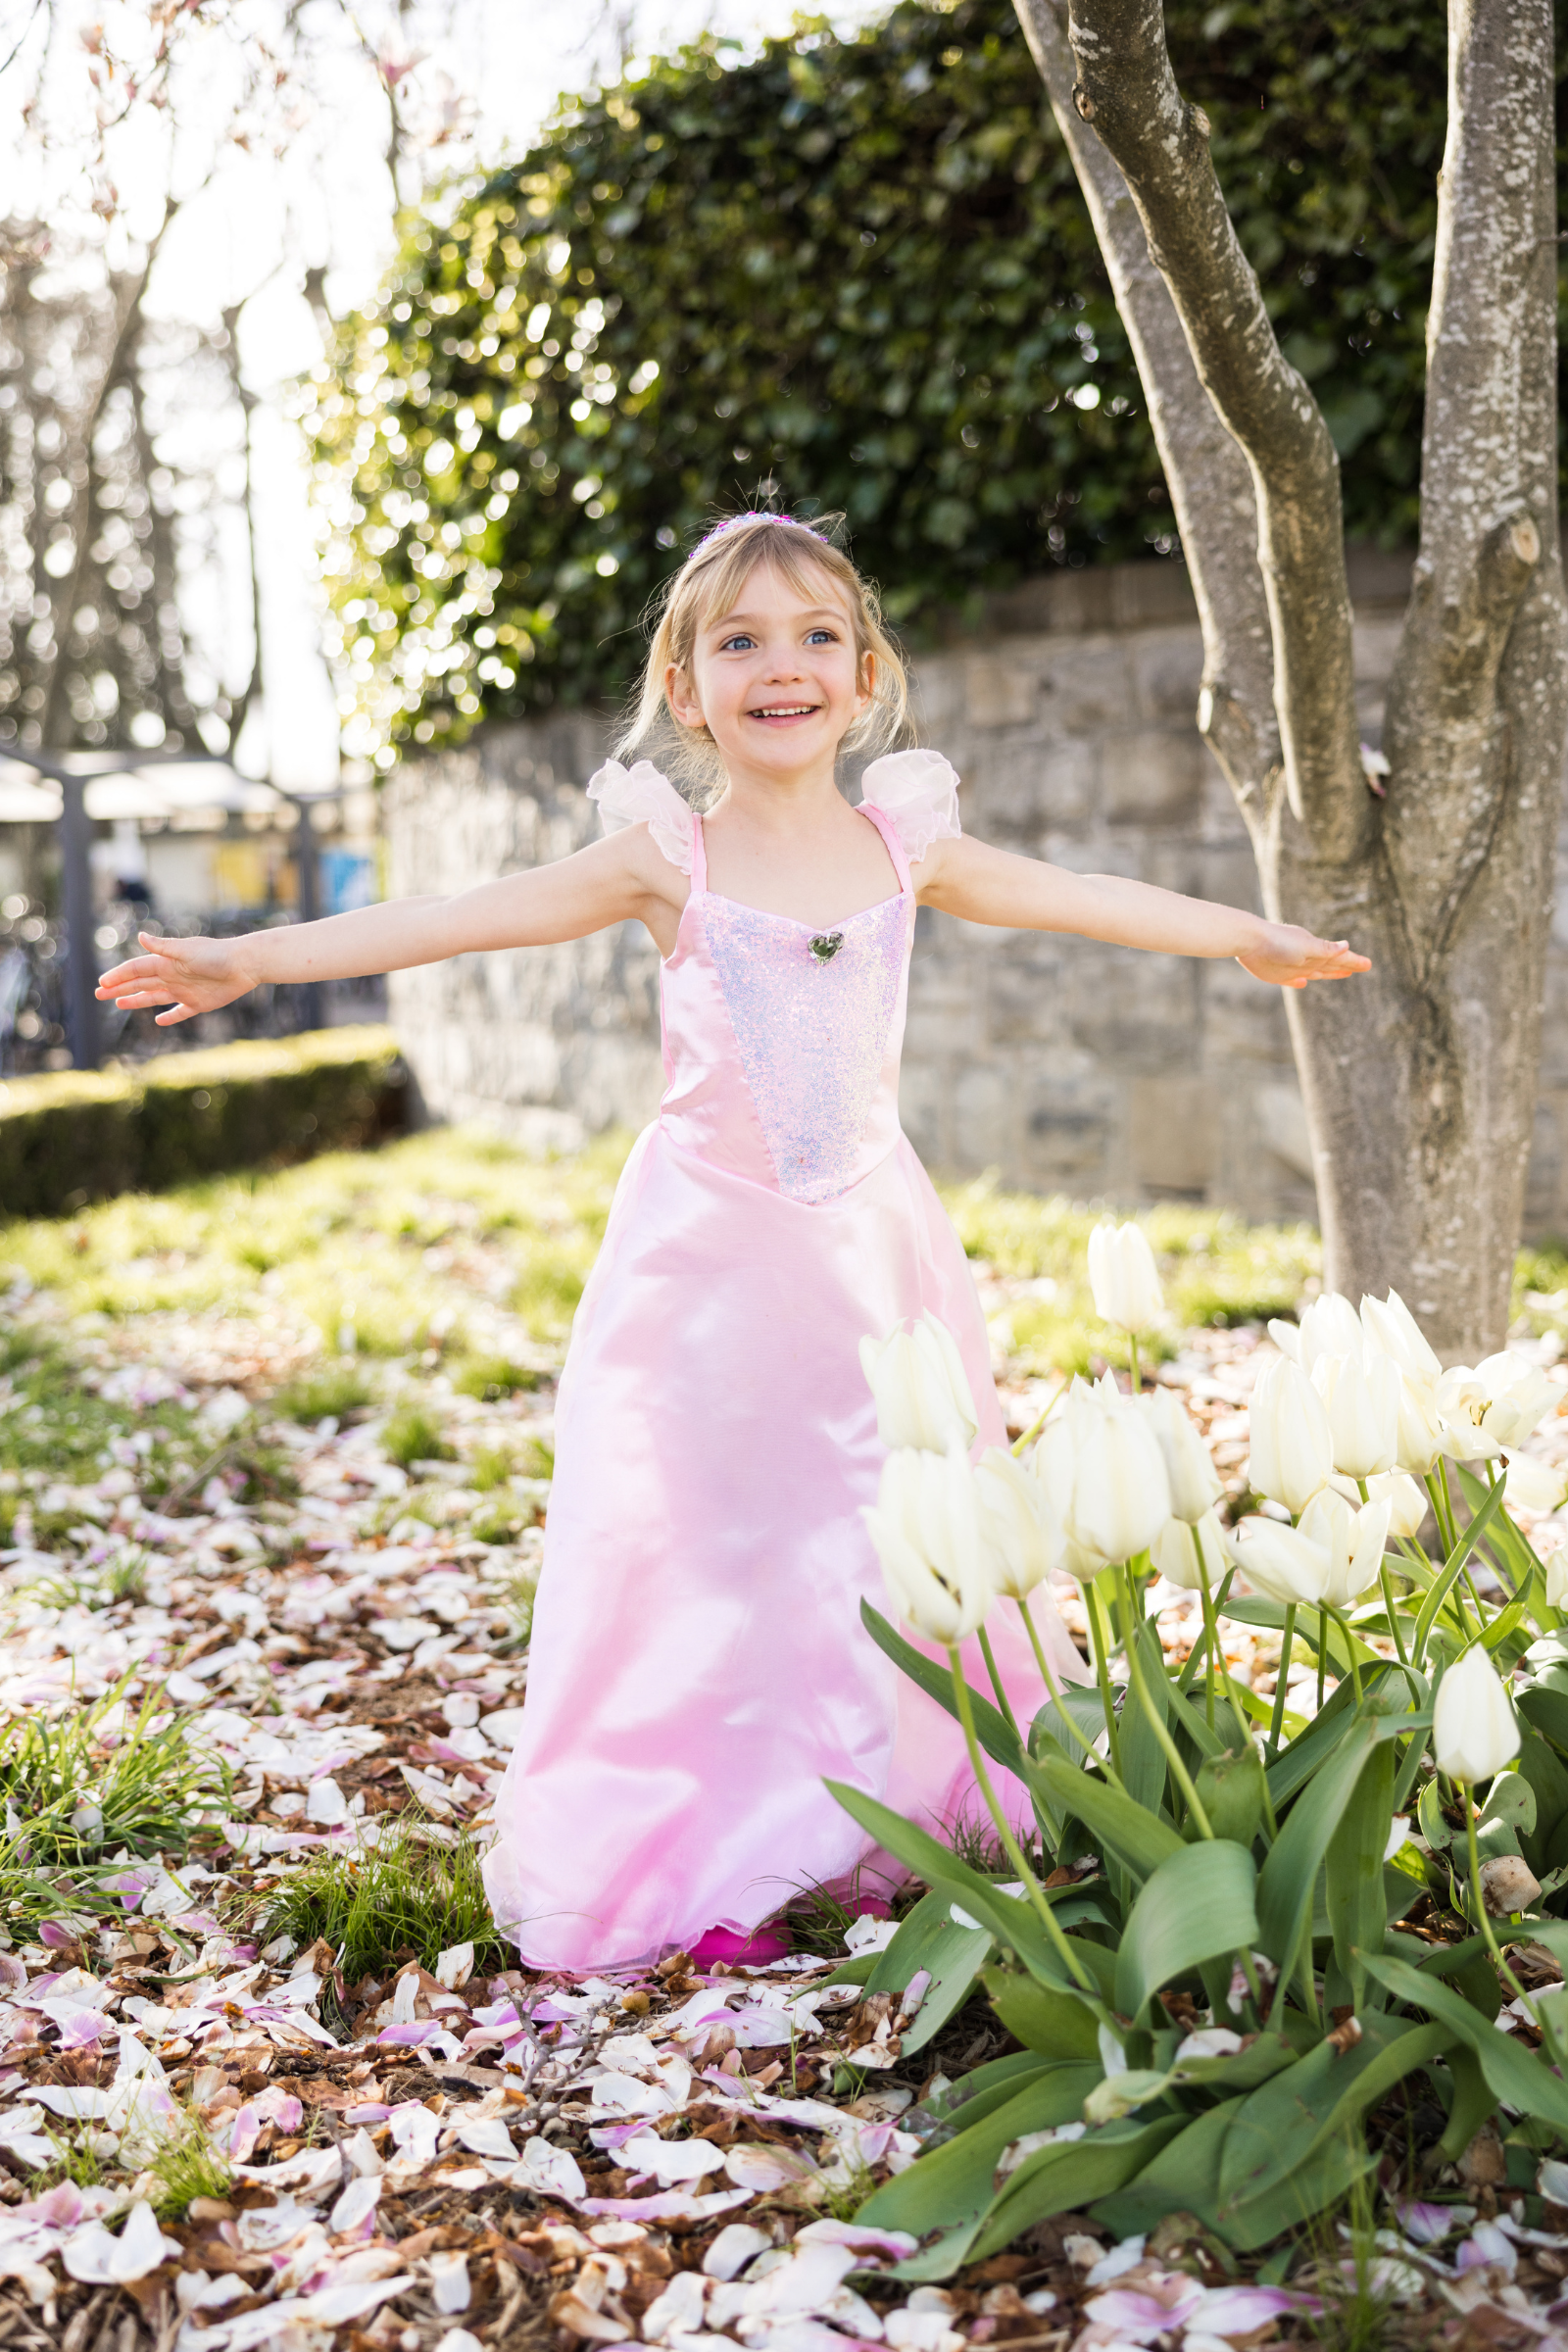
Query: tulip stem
{"type": "Point", "coordinates": [1097, 1636]}
{"type": "Point", "coordinates": [1343, 1625]}
{"type": "Point", "coordinates": [1040, 1420]}
{"type": "Point", "coordinates": [977, 1764]}
{"type": "Point", "coordinates": [1041, 1659]}
{"type": "Point", "coordinates": [1160, 1730]}
{"type": "Point", "coordinates": [996, 1682]}
{"type": "Point", "coordinates": [1132, 1349]}
{"type": "Point", "coordinates": [1388, 1604]}
{"type": "Point", "coordinates": [1503, 1969]}
{"type": "Point", "coordinates": [1208, 1626]}
{"type": "Point", "coordinates": [1277, 1725]}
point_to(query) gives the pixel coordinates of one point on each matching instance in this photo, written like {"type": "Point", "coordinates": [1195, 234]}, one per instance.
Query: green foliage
{"type": "Point", "coordinates": [84, 1135]}
{"type": "Point", "coordinates": [857, 272]}
{"type": "Point", "coordinates": [330, 1393]}
{"type": "Point", "coordinates": [186, 2165]}
{"type": "Point", "coordinates": [406, 1898]}
{"type": "Point", "coordinates": [103, 1776]}
{"type": "Point", "coordinates": [411, 1436]}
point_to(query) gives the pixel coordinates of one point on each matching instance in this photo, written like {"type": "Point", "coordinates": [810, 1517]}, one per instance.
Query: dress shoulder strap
{"type": "Point", "coordinates": [890, 843]}
{"type": "Point", "coordinates": [697, 867]}
{"type": "Point", "coordinates": [644, 796]}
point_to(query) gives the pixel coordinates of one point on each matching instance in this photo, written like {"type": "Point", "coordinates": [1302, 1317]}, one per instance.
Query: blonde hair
{"type": "Point", "coordinates": [708, 583]}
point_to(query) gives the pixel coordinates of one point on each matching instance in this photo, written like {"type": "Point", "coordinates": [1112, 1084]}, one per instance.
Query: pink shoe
{"type": "Point", "coordinates": [742, 1951]}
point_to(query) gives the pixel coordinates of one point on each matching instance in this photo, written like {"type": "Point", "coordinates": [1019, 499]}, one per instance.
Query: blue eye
{"type": "Point", "coordinates": [742, 642]}
{"type": "Point", "coordinates": [823, 637]}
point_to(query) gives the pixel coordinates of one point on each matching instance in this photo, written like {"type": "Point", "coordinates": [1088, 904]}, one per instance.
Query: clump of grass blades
{"type": "Point", "coordinates": [102, 1779]}
{"type": "Point", "coordinates": [492, 1376]}
{"type": "Point", "coordinates": [331, 1393]}
{"type": "Point", "coordinates": [186, 2165]}
{"type": "Point", "coordinates": [818, 1918]}
{"type": "Point", "coordinates": [411, 1436]}
{"type": "Point", "coordinates": [1355, 2284]}
{"type": "Point", "coordinates": [75, 2160]}
{"type": "Point", "coordinates": [380, 1906]}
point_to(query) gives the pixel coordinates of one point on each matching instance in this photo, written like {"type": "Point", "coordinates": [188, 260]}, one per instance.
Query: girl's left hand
{"type": "Point", "coordinates": [1288, 957]}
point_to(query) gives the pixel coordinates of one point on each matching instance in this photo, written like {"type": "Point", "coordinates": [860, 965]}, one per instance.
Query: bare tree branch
{"type": "Point", "coordinates": [1127, 90]}
{"type": "Point", "coordinates": [1210, 486]}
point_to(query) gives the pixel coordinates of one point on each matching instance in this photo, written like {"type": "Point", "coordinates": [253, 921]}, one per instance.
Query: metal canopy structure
{"type": "Point", "coordinates": [77, 790]}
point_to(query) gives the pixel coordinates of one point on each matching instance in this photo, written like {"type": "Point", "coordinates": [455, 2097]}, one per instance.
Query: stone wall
{"type": "Point", "coordinates": [1065, 1066]}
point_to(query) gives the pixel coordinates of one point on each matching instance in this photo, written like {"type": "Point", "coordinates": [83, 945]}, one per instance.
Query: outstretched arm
{"type": "Point", "coordinates": [610, 882]}
{"type": "Point", "coordinates": [987, 885]}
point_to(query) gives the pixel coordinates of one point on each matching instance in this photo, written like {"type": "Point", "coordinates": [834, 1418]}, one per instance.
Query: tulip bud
{"type": "Point", "coordinates": [1280, 1562]}
{"type": "Point", "coordinates": [1122, 1494]}
{"type": "Point", "coordinates": [1391, 1328]}
{"type": "Point", "coordinates": [922, 1389]}
{"type": "Point", "coordinates": [1474, 1731]}
{"type": "Point", "coordinates": [1421, 1430]}
{"type": "Point", "coordinates": [1518, 1396]}
{"type": "Point", "coordinates": [1557, 1580]}
{"type": "Point", "coordinates": [1351, 1541]}
{"type": "Point", "coordinates": [1172, 1556]}
{"type": "Point", "coordinates": [1327, 1328]}
{"type": "Point", "coordinates": [927, 1530]}
{"type": "Point", "coordinates": [1292, 1450]}
{"type": "Point", "coordinates": [1534, 1486]}
{"type": "Point", "coordinates": [1022, 1542]}
{"type": "Point", "coordinates": [1406, 1501]}
{"type": "Point", "coordinates": [1362, 1397]}
{"type": "Point", "coordinates": [1195, 1486]}
{"type": "Point", "coordinates": [1055, 1467]}
{"type": "Point", "coordinates": [1123, 1277]}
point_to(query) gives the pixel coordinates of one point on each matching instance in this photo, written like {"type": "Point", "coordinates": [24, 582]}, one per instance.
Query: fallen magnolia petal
{"type": "Point", "coordinates": [551, 2171]}
{"type": "Point", "coordinates": [739, 2243]}
{"type": "Point", "coordinates": [355, 2205]}
{"type": "Point", "coordinates": [459, 2339]}
{"type": "Point", "coordinates": [679, 2311]}
{"type": "Point", "coordinates": [673, 2160]}
{"type": "Point", "coordinates": [762, 2170]}
{"type": "Point", "coordinates": [897, 2244]}
{"type": "Point", "coordinates": [97, 2259]}
{"type": "Point", "coordinates": [665, 2205]}
{"type": "Point", "coordinates": [450, 2291]}
{"type": "Point", "coordinates": [1236, 2311]}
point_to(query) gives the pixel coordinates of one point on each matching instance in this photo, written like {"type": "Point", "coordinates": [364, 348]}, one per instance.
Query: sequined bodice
{"type": "Point", "coordinates": [781, 1043]}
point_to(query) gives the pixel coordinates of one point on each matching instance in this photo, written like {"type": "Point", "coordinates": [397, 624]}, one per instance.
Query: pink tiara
{"type": "Point", "coordinates": [731, 521]}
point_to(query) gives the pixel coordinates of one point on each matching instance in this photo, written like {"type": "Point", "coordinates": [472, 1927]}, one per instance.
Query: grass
{"type": "Point", "coordinates": [410, 1435]}
{"type": "Point", "coordinates": [400, 1247]}
{"type": "Point", "coordinates": [186, 2165]}
{"type": "Point", "coordinates": [101, 1779]}
{"type": "Point", "coordinates": [330, 1395]}
{"type": "Point", "coordinates": [380, 1907]}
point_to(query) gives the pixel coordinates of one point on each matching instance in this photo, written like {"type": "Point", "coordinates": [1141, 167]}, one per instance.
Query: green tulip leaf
{"type": "Point", "coordinates": [995, 1733]}
{"type": "Point", "coordinates": [1516, 2075]}
{"type": "Point", "coordinates": [1198, 1903]}
{"type": "Point", "coordinates": [953, 2184]}
{"type": "Point", "coordinates": [952, 1956]}
{"type": "Point", "coordinates": [1437, 1833]}
{"type": "Point", "coordinates": [1289, 1875]}
{"type": "Point", "coordinates": [1322, 2097]}
{"type": "Point", "coordinates": [1510, 1799]}
{"type": "Point", "coordinates": [1184, 2177]}
{"type": "Point", "coordinates": [1230, 1788]}
{"type": "Point", "coordinates": [1140, 1839]}
{"type": "Point", "coordinates": [1473, 2103]}
{"type": "Point", "coordinates": [1356, 1898]}
{"type": "Point", "coordinates": [973, 2097]}
{"type": "Point", "coordinates": [1071, 2173]}
{"type": "Point", "coordinates": [1058, 2024]}
{"type": "Point", "coordinates": [1448, 1573]}
{"type": "Point", "coordinates": [1313, 2187]}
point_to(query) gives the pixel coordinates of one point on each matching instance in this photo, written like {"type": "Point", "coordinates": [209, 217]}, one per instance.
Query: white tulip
{"type": "Point", "coordinates": [1421, 1432]}
{"type": "Point", "coordinates": [1172, 1555]}
{"type": "Point", "coordinates": [1121, 1493]}
{"type": "Point", "coordinates": [1393, 1330]}
{"type": "Point", "coordinates": [1353, 1542]}
{"type": "Point", "coordinates": [1406, 1501]}
{"type": "Point", "coordinates": [1123, 1277]}
{"type": "Point", "coordinates": [1557, 1580]}
{"type": "Point", "coordinates": [1474, 1731]}
{"type": "Point", "coordinates": [1195, 1486]}
{"type": "Point", "coordinates": [1519, 1396]}
{"type": "Point", "coordinates": [1055, 1467]}
{"type": "Point", "coordinates": [1534, 1486]}
{"type": "Point", "coordinates": [1328, 1328]}
{"type": "Point", "coordinates": [1022, 1540]}
{"type": "Point", "coordinates": [1280, 1562]}
{"type": "Point", "coordinates": [1361, 1396]}
{"type": "Point", "coordinates": [922, 1389]}
{"type": "Point", "coordinates": [1292, 1449]}
{"type": "Point", "coordinates": [927, 1530]}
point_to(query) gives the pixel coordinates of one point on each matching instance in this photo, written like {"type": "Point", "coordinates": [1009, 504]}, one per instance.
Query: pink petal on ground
{"type": "Point", "coordinates": [410, 2037]}
{"type": "Point", "coordinates": [1141, 2315]}
{"type": "Point", "coordinates": [895, 2242]}
{"type": "Point", "coordinates": [54, 1934]}
{"type": "Point", "coordinates": [1232, 2311]}
{"type": "Point", "coordinates": [1426, 2224]}
{"type": "Point", "coordinates": [83, 2027]}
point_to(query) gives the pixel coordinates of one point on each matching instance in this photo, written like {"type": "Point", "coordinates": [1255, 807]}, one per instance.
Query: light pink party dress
{"type": "Point", "coordinates": [698, 1664]}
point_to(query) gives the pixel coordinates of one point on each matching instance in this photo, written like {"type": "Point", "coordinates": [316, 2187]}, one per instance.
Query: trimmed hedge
{"type": "Point", "coordinates": [81, 1135]}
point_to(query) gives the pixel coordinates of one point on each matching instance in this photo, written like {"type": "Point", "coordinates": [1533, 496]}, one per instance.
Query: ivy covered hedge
{"type": "Point", "coordinates": [82, 1134]}
{"type": "Point", "coordinates": [854, 273]}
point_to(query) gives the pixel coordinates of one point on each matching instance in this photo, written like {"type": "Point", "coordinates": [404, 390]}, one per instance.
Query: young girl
{"type": "Point", "coordinates": [699, 1664]}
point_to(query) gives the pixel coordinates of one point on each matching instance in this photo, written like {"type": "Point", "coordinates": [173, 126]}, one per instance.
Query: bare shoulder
{"type": "Point", "coordinates": [633, 858]}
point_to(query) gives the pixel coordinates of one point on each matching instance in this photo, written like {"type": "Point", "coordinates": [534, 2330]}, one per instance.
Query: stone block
{"type": "Point", "coordinates": [1069, 1130]}
{"type": "Point", "coordinates": [1168, 666]}
{"type": "Point", "coordinates": [1173, 1134]}
{"type": "Point", "coordinates": [1088, 687]}
{"type": "Point", "coordinates": [1020, 788]}
{"type": "Point", "coordinates": [998, 692]}
{"type": "Point", "coordinates": [1282, 1126]}
{"type": "Point", "coordinates": [1149, 775]}
{"type": "Point", "coordinates": [1137, 1014]}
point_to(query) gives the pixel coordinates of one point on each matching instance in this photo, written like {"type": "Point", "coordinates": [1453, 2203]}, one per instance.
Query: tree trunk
{"type": "Point", "coordinates": [1420, 1078]}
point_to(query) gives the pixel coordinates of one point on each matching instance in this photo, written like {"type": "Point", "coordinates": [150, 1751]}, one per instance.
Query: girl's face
{"type": "Point", "coordinates": [774, 679]}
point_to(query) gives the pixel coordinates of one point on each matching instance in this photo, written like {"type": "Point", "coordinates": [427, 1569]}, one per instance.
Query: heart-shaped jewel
{"type": "Point", "coordinates": [826, 944]}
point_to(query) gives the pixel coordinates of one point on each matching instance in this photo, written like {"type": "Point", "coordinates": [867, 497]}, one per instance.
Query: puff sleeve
{"type": "Point", "coordinates": [643, 796]}
{"type": "Point", "coordinates": [918, 793]}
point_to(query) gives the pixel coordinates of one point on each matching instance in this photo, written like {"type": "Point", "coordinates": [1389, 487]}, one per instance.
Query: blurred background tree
{"type": "Point", "coordinates": [843, 271]}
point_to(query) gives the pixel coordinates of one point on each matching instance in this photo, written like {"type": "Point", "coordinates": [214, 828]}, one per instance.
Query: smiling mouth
{"type": "Point", "coordinates": [787, 710]}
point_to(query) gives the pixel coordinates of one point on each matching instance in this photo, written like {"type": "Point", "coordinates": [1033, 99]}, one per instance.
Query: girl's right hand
{"type": "Point", "coordinates": [192, 975]}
